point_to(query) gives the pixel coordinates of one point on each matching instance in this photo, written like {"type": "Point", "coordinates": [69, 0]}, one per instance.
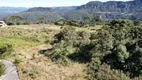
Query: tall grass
{"type": "Point", "coordinates": [2, 69]}
{"type": "Point", "coordinates": [18, 42]}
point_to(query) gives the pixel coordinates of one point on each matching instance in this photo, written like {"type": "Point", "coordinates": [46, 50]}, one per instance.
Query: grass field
{"type": "Point", "coordinates": [18, 42]}
{"type": "Point", "coordinates": [90, 29]}
{"type": "Point", "coordinates": [21, 36]}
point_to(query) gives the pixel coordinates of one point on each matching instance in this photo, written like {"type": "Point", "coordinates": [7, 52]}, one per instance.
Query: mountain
{"type": "Point", "coordinates": [62, 10]}
{"type": "Point", "coordinates": [48, 14]}
{"type": "Point", "coordinates": [40, 13]}
{"type": "Point", "coordinates": [6, 11]}
{"type": "Point", "coordinates": [11, 10]}
{"type": "Point", "coordinates": [39, 9]}
{"type": "Point", "coordinates": [109, 10]}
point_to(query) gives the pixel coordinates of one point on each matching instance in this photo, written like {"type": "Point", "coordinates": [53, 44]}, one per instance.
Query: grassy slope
{"type": "Point", "coordinates": [35, 66]}
{"type": "Point", "coordinates": [18, 42]}
{"type": "Point", "coordinates": [32, 65]}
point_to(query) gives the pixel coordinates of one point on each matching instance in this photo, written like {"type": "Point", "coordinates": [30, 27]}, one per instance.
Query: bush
{"type": "Point", "coordinates": [104, 72]}
{"type": "Point", "coordinates": [60, 53]}
{"type": "Point", "coordinates": [66, 43]}
{"type": "Point", "coordinates": [17, 62]}
{"type": "Point", "coordinates": [5, 49]}
{"type": "Point", "coordinates": [33, 74]}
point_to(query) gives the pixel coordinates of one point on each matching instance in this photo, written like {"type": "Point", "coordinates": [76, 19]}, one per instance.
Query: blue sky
{"type": "Point", "coordinates": [46, 3]}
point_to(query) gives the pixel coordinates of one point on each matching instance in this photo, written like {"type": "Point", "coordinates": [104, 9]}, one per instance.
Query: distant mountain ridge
{"type": "Point", "coordinates": [12, 10]}
{"type": "Point", "coordinates": [48, 14]}
{"type": "Point", "coordinates": [108, 10]}
{"type": "Point", "coordinates": [36, 9]}
{"type": "Point", "coordinates": [113, 6]}
{"type": "Point", "coordinates": [6, 11]}
{"type": "Point", "coordinates": [62, 10]}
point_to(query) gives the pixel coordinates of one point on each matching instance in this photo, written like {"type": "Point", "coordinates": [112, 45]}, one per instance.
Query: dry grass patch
{"type": "Point", "coordinates": [37, 26]}
{"type": "Point", "coordinates": [35, 66]}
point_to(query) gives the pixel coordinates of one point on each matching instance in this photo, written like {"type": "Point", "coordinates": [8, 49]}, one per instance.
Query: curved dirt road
{"type": "Point", "coordinates": [11, 71]}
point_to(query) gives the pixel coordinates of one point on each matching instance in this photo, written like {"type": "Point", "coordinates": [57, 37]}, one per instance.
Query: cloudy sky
{"type": "Point", "coordinates": [46, 3]}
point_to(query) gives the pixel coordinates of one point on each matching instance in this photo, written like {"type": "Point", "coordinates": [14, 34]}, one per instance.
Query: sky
{"type": "Point", "coordinates": [46, 3]}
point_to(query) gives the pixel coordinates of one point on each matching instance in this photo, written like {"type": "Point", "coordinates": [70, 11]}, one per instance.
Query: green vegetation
{"type": "Point", "coordinates": [16, 20]}
{"type": "Point", "coordinates": [5, 49]}
{"type": "Point", "coordinates": [66, 43]}
{"type": "Point", "coordinates": [16, 38]}
{"type": "Point", "coordinates": [18, 42]}
{"type": "Point", "coordinates": [20, 38]}
{"type": "Point", "coordinates": [17, 61]}
{"type": "Point", "coordinates": [2, 69]}
{"type": "Point", "coordinates": [108, 49]}
{"type": "Point", "coordinates": [85, 22]}
{"type": "Point", "coordinates": [113, 52]}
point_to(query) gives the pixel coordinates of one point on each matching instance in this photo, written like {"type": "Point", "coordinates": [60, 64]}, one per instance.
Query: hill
{"type": "Point", "coordinates": [39, 14]}
{"type": "Point", "coordinates": [6, 11]}
{"type": "Point", "coordinates": [107, 10]}
{"type": "Point", "coordinates": [62, 10]}
{"type": "Point", "coordinates": [11, 10]}
{"type": "Point", "coordinates": [110, 10]}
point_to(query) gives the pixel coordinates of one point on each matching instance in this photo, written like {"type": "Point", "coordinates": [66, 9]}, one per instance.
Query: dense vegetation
{"type": "Point", "coordinates": [16, 20]}
{"type": "Point", "coordinates": [86, 22]}
{"type": "Point", "coordinates": [113, 52]}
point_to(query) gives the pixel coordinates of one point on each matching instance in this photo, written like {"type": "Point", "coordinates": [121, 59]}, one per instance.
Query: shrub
{"type": "Point", "coordinates": [104, 72]}
{"type": "Point", "coordinates": [33, 74]}
{"type": "Point", "coordinates": [17, 62]}
{"type": "Point", "coordinates": [5, 49]}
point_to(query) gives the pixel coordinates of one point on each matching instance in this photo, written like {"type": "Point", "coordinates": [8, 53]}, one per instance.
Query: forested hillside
{"type": "Point", "coordinates": [62, 10]}
{"type": "Point", "coordinates": [6, 11]}
{"type": "Point", "coordinates": [34, 15]}
{"type": "Point", "coordinates": [109, 10]}
{"type": "Point", "coordinates": [11, 10]}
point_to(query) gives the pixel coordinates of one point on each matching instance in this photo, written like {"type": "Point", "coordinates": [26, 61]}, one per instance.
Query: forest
{"type": "Point", "coordinates": [112, 52]}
